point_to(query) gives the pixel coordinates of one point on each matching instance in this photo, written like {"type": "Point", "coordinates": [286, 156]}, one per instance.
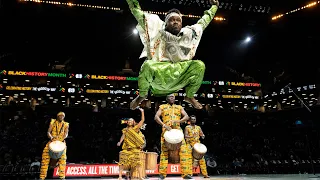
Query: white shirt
{"type": "Point", "coordinates": [167, 47]}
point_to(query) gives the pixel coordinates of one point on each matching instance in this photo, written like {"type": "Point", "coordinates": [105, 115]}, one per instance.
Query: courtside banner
{"type": "Point", "coordinates": [98, 170]}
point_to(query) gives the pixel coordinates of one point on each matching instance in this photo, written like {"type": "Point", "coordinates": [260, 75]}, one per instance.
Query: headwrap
{"type": "Point", "coordinates": [61, 114]}
{"type": "Point", "coordinates": [169, 96]}
{"type": "Point", "coordinates": [168, 16]}
{"type": "Point", "coordinates": [125, 121]}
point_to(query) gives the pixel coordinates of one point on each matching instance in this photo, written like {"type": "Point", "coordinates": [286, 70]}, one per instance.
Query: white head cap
{"type": "Point", "coordinates": [168, 16]}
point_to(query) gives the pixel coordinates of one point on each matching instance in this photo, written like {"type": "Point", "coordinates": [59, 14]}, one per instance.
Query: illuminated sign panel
{"type": "Point", "coordinates": [24, 73]}
{"type": "Point", "coordinates": [44, 89]}
{"type": "Point", "coordinates": [231, 96]}
{"type": "Point", "coordinates": [119, 78]}
{"type": "Point", "coordinates": [97, 91]}
{"type": "Point", "coordinates": [206, 82]}
{"type": "Point", "coordinates": [71, 90]}
{"type": "Point", "coordinates": [244, 84]}
{"type": "Point", "coordinates": [39, 74]}
{"type": "Point", "coordinates": [132, 78]}
{"type": "Point", "coordinates": [116, 78]}
{"type": "Point", "coordinates": [57, 75]}
{"type": "Point", "coordinates": [121, 92]}
{"type": "Point", "coordinates": [18, 88]}
{"type": "Point", "coordinates": [239, 97]}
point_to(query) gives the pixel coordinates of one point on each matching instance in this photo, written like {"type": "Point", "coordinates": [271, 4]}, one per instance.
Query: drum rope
{"type": "Point", "coordinates": [172, 115]}
{"type": "Point", "coordinates": [58, 133]}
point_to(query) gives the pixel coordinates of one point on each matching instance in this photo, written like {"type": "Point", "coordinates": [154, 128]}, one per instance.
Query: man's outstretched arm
{"type": "Point", "coordinates": [136, 11]}
{"type": "Point", "coordinates": [209, 14]}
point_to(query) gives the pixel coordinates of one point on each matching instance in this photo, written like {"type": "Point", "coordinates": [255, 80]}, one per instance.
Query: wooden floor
{"type": "Point", "coordinates": [239, 177]}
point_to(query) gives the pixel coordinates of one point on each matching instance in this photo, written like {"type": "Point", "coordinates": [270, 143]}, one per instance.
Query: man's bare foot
{"type": "Point", "coordinates": [135, 103]}
{"type": "Point", "coordinates": [193, 102]}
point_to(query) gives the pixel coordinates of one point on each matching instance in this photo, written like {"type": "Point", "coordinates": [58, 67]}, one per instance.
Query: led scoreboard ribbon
{"type": "Point", "coordinates": [39, 74]}
{"type": "Point", "coordinates": [115, 92]}
{"type": "Point", "coordinates": [113, 78]}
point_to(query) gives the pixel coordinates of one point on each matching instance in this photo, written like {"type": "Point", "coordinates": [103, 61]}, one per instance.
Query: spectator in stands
{"type": "Point", "coordinates": [36, 162]}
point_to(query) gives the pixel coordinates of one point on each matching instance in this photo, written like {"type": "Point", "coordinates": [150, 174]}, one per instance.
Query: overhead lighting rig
{"type": "Point", "coordinates": [310, 5]}
{"type": "Point", "coordinates": [223, 5]}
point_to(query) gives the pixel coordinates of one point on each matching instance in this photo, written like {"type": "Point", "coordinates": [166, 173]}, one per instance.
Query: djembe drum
{"type": "Point", "coordinates": [56, 149]}
{"type": "Point", "coordinates": [198, 151]}
{"type": "Point", "coordinates": [151, 161]}
{"type": "Point", "coordinates": [173, 139]}
{"type": "Point", "coordinates": [141, 168]}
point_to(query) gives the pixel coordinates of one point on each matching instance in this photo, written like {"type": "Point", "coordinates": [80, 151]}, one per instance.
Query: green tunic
{"type": "Point", "coordinates": [169, 67]}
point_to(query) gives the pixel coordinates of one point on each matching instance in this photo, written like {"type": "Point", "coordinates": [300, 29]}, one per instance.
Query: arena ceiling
{"type": "Point", "coordinates": [38, 35]}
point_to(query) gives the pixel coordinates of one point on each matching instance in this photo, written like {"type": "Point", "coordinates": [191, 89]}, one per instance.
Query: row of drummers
{"type": "Point", "coordinates": [173, 141]}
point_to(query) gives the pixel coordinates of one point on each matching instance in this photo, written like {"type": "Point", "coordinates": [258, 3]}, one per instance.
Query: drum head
{"type": "Point", "coordinates": [57, 146]}
{"type": "Point", "coordinates": [174, 136]}
{"type": "Point", "coordinates": [201, 148]}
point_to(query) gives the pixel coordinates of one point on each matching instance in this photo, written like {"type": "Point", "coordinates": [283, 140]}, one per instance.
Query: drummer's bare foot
{"type": "Point", "coordinates": [135, 103]}
{"type": "Point", "coordinates": [206, 176]}
{"type": "Point", "coordinates": [193, 102]}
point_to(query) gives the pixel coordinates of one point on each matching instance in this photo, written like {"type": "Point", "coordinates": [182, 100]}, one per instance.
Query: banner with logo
{"type": "Point", "coordinates": [99, 170]}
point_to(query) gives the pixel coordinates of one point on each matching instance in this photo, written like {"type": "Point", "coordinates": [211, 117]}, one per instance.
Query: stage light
{"type": "Point", "coordinates": [248, 39]}
{"type": "Point", "coordinates": [135, 31]}
{"type": "Point", "coordinates": [108, 8]}
{"type": "Point", "coordinates": [295, 10]}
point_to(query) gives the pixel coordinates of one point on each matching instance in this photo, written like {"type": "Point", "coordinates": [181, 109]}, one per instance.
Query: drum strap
{"type": "Point", "coordinates": [59, 132]}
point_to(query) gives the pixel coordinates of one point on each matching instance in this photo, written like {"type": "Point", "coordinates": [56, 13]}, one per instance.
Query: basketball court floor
{"type": "Point", "coordinates": [240, 177]}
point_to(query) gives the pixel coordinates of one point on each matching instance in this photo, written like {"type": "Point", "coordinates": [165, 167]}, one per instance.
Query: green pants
{"type": "Point", "coordinates": [164, 78]}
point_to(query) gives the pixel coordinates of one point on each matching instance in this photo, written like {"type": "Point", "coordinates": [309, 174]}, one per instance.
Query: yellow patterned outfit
{"type": "Point", "coordinates": [132, 145]}
{"type": "Point", "coordinates": [194, 133]}
{"type": "Point", "coordinates": [173, 112]}
{"type": "Point", "coordinates": [58, 131]}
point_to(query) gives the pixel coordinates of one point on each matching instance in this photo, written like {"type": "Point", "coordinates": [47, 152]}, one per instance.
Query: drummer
{"type": "Point", "coordinates": [172, 115]}
{"type": "Point", "coordinates": [133, 143]}
{"type": "Point", "coordinates": [192, 133]}
{"type": "Point", "coordinates": [58, 131]}
{"type": "Point", "coordinates": [128, 175]}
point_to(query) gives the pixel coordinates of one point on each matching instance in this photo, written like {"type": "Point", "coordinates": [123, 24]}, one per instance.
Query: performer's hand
{"type": "Point", "coordinates": [214, 2]}
{"type": "Point", "coordinates": [118, 144]}
{"type": "Point", "coordinates": [141, 110]}
{"type": "Point", "coordinates": [168, 128]}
